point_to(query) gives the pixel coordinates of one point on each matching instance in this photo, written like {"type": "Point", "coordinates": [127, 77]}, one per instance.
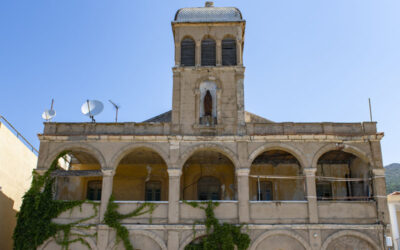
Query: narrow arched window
{"type": "Point", "coordinates": [209, 188]}
{"type": "Point", "coordinates": [208, 54]}
{"type": "Point", "coordinates": [187, 52]}
{"type": "Point", "coordinates": [229, 52]}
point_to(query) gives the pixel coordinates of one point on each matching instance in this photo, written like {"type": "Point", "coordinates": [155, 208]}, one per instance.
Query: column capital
{"type": "Point", "coordinates": [310, 171]}
{"type": "Point", "coordinates": [174, 172]}
{"type": "Point", "coordinates": [378, 172]}
{"type": "Point", "coordinates": [40, 171]}
{"type": "Point", "coordinates": [243, 172]}
{"type": "Point", "coordinates": [108, 172]}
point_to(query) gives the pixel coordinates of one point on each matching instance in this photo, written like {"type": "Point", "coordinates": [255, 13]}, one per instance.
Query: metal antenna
{"type": "Point", "coordinates": [370, 109]}
{"type": "Point", "coordinates": [116, 110]}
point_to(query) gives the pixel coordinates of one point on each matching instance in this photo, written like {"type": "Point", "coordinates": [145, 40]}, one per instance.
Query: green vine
{"type": "Point", "coordinates": [218, 236]}
{"type": "Point", "coordinates": [113, 219]}
{"type": "Point", "coordinates": [38, 209]}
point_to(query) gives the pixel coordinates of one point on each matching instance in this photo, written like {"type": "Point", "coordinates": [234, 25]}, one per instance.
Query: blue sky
{"type": "Point", "coordinates": [306, 61]}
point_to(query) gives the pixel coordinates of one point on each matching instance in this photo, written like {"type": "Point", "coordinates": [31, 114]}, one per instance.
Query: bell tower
{"type": "Point", "coordinates": [208, 75]}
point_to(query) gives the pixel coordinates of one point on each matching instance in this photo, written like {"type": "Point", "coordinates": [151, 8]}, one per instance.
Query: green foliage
{"type": "Point", "coordinates": [392, 173]}
{"type": "Point", "coordinates": [219, 236]}
{"type": "Point", "coordinates": [113, 219]}
{"type": "Point", "coordinates": [34, 221]}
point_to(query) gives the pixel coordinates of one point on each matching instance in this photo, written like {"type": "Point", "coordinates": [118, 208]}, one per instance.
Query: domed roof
{"type": "Point", "coordinates": [208, 14]}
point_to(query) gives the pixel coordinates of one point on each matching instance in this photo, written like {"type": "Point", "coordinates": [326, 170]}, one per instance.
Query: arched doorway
{"type": "Point", "coordinates": [276, 175]}
{"type": "Point", "coordinates": [78, 177]}
{"type": "Point", "coordinates": [141, 175]}
{"type": "Point", "coordinates": [343, 176]}
{"type": "Point", "coordinates": [208, 175]}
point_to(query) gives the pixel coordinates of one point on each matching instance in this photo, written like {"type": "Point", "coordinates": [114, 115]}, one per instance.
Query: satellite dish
{"type": "Point", "coordinates": [91, 108]}
{"type": "Point", "coordinates": [49, 114]}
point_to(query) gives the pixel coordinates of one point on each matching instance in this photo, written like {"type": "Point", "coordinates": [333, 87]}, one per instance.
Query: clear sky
{"type": "Point", "coordinates": [306, 61]}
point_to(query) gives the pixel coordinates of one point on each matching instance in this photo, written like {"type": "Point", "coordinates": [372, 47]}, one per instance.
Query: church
{"type": "Point", "coordinates": [291, 185]}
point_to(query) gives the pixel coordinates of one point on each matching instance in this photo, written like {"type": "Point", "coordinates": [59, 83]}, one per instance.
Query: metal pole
{"type": "Point", "coordinates": [370, 109]}
{"type": "Point", "coordinates": [259, 191]}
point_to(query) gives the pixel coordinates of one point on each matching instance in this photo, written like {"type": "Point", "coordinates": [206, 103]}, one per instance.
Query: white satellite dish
{"type": "Point", "coordinates": [91, 108]}
{"type": "Point", "coordinates": [49, 114]}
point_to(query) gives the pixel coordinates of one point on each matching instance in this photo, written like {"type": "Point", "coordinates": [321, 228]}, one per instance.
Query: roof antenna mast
{"type": "Point", "coordinates": [116, 110]}
{"type": "Point", "coordinates": [370, 109]}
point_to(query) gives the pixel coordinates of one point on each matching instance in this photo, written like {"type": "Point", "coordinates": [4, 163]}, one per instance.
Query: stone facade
{"type": "Point", "coordinates": [295, 185]}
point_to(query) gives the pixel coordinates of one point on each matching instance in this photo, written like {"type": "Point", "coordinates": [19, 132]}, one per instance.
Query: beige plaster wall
{"type": "Point", "coordinates": [16, 165]}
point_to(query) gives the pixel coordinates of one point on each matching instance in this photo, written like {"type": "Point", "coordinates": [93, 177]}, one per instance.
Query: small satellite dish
{"type": "Point", "coordinates": [49, 114]}
{"type": "Point", "coordinates": [91, 108]}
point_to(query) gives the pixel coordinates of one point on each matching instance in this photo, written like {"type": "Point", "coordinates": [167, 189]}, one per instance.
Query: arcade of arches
{"type": "Point", "coordinates": [275, 175]}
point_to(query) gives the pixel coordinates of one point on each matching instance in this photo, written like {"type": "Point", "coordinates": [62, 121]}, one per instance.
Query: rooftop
{"type": "Point", "coordinates": [207, 14]}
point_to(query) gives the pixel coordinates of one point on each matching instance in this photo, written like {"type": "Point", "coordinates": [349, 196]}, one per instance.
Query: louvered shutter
{"type": "Point", "coordinates": [228, 52]}
{"type": "Point", "coordinates": [208, 54]}
{"type": "Point", "coordinates": [187, 52]}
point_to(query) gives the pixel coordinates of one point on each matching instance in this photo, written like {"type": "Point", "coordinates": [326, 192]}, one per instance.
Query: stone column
{"type": "Point", "coordinates": [311, 194]}
{"type": "Point", "coordinates": [219, 53]}
{"type": "Point", "coordinates": [198, 53]}
{"type": "Point", "coordinates": [173, 240]}
{"type": "Point", "coordinates": [243, 194]}
{"type": "Point", "coordinates": [239, 58]}
{"type": "Point", "coordinates": [379, 187]}
{"type": "Point", "coordinates": [177, 54]}
{"type": "Point", "coordinates": [173, 195]}
{"type": "Point", "coordinates": [106, 190]}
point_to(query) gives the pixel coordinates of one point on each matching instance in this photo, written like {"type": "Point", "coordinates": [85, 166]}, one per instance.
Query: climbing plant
{"type": "Point", "coordinates": [218, 236]}
{"type": "Point", "coordinates": [113, 219]}
{"type": "Point", "coordinates": [38, 209]}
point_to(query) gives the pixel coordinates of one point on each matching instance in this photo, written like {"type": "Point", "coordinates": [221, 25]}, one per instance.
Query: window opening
{"type": "Point", "coordinates": [209, 188]}
{"type": "Point", "coordinates": [229, 52]}
{"type": "Point", "coordinates": [264, 190]}
{"type": "Point", "coordinates": [188, 52]}
{"type": "Point", "coordinates": [153, 191]}
{"type": "Point", "coordinates": [208, 52]}
{"type": "Point", "coordinates": [94, 190]}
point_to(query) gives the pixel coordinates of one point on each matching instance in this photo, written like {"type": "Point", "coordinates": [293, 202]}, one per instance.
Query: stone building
{"type": "Point", "coordinates": [17, 161]}
{"type": "Point", "coordinates": [295, 185]}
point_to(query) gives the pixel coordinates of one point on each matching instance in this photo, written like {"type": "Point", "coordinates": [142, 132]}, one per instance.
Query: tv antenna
{"type": "Point", "coordinates": [116, 109]}
{"type": "Point", "coordinates": [49, 114]}
{"type": "Point", "coordinates": [91, 108]}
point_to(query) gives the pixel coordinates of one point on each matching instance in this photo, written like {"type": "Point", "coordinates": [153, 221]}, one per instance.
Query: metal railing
{"type": "Point", "coordinates": [19, 135]}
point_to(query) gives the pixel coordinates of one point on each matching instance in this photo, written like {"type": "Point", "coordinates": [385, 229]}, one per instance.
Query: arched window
{"type": "Point", "coordinates": [208, 54]}
{"type": "Point", "coordinates": [208, 188]}
{"type": "Point", "coordinates": [229, 52]}
{"type": "Point", "coordinates": [187, 52]}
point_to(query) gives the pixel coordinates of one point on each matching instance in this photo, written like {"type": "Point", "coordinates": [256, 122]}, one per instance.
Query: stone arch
{"type": "Point", "coordinates": [187, 36]}
{"type": "Point", "coordinates": [279, 232]}
{"type": "Point", "coordinates": [186, 241]}
{"type": "Point", "coordinates": [345, 148]}
{"type": "Point", "coordinates": [209, 78]}
{"type": "Point", "coordinates": [84, 147]}
{"type": "Point", "coordinates": [208, 146]}
{"type": "Point", "coordinates": [356, 234]}
{"type": "Point", "coordinates": [229, 36]}
{"type": "Point", "coordinates": [91, 242]}
{"type": "Point", "coordinates": [131, 147]}
{"type": "Point", "coordinates": [278, 146]}
{"type": "Point", "coordinates": [146, 233]}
